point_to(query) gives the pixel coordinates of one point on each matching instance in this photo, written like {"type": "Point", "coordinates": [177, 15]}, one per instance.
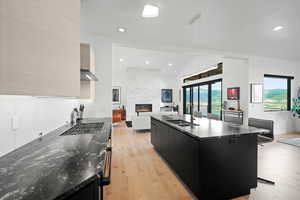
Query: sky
{"type": "Point", "coordinates": [275, 83]}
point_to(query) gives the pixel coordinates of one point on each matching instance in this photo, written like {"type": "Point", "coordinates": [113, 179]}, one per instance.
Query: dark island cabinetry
{"type": "Point", "coordinates": [211, 167]}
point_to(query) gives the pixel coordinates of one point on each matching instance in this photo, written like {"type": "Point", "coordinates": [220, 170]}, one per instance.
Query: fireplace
{"type": "Point", "coordinates": [143, 108]}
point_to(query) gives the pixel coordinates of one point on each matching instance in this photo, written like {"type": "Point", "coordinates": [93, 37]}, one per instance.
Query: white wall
{"type": "Point", "coordinates": [101, 105]}
{"type": "Point", "coordinates": [156, 76]}
{"type": "Point", "coordinates": [119, 78]}
{"type": "Point", "coordinates": [235, 74]}
{"type": "Point", "coordinates": [34, 115]}
{"type": "Point", "coordinates": [241, 72]}
{"type": "Point", "coordinates": [198, 64]}
{"type": "Point", "coordinates": [284, 121]}
{"type": "Point", "coordinates": [141, 86]}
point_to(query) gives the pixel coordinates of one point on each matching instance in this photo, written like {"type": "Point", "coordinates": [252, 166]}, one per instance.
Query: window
{"type": "Point", "coordinates": [277, 93]}
{"type": "Point", "coordinates": [205, 97]}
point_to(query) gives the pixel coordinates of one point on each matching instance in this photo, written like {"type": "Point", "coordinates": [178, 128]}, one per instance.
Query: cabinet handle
{"type": "Point", "coordinates": [108, 156]}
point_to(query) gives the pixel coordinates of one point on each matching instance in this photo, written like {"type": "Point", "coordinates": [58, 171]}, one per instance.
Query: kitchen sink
{"type": "Point", "coordinates": [84, 128]}
{"type": "Point", "coordinates": [181, 122]}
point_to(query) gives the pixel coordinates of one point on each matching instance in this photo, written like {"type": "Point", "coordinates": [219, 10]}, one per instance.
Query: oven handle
{"type": "Point", "coordinates": [106, 179]}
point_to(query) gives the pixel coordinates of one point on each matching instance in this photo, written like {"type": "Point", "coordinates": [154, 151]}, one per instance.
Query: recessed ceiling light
{"type": "Point", "coordinates": [121, 60]}
{"type": "Point", "coordinates": [277, 28]}
{"type": "Point", "coordinates": [170, 64]}
{"type": "Point", "coordinates": [121, 30]}
{"type": "Point", "coordinates": [147, 62]}
{"type": "Point", "coordinates": [150, 11]}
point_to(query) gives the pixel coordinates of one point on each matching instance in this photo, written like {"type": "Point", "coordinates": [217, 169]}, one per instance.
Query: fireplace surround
{"type": "Point", "coordinates": [143, 108]}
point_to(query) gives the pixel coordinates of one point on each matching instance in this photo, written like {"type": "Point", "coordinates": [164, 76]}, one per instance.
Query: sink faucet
{"type": "Point", "coordinates": [192, 116]}
{"type": "Point", "coordinates": [74, 116]}
{"type": "Point", "coordinates": [81, 109]}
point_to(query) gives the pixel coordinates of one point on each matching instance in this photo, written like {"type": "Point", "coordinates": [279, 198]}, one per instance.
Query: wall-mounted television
{"type": "Point", "coordinates": [233, 93]}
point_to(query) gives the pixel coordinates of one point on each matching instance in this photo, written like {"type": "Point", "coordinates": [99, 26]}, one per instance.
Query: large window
{"type": "Point", "coordinates": [277, 93]}
{"type": "Point", "coordinates": [205, 97]}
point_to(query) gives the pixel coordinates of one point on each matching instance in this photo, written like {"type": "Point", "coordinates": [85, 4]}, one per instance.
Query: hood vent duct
{"type": "Point", "coordinates": [86, 75]}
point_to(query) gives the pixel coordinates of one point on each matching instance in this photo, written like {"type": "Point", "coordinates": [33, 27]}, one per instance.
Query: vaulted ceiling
{"type": "Point", "coordinates": [239, 26]}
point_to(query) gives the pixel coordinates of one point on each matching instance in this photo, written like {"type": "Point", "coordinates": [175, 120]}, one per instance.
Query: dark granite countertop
{"type": "Point", "coordinates": [208, 128]}
{"type": "Point", "coordinates": [54, 166]}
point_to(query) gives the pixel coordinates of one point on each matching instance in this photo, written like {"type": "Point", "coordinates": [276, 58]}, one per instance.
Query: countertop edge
{"type": "Point", "coordinates": [197, 137]}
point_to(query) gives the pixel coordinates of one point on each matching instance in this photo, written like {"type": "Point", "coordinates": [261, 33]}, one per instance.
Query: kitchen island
{"type": "Point", "coordinates": [67, 163]}
{"type": "Point", "coordinates": [214, 159]}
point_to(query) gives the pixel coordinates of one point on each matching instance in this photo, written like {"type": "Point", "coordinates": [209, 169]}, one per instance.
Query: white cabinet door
{"type": "Point", "coordinates": [40, 48]}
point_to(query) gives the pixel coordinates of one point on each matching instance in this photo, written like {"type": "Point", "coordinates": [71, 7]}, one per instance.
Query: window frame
{"type": "Point", "coordinates": [289, 91]}
{"type": "Point", "coordinates": [209, 83]}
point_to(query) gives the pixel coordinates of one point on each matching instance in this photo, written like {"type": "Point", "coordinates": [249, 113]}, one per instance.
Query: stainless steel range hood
{"type": "Point", "coordinates": [86, 75]}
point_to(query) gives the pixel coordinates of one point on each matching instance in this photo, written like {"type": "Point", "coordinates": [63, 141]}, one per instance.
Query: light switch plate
{"type": "Point", "coordinates": [14, 123]}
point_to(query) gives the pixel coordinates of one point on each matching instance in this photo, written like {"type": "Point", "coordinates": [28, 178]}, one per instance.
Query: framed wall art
{"type": "Point", "coordinates": [116, 95]}
{"type": "Point", "coordinates": [166, 95]}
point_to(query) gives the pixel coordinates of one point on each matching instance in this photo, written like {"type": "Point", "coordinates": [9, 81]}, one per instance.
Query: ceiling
{"type": "Point", "coordinates": [136, 58]}
{"type": "Point", "coordinates": [240, 26]}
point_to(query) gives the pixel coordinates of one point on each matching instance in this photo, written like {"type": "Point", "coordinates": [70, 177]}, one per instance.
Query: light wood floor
{"type": "Point", "coordinates": [138, 173]}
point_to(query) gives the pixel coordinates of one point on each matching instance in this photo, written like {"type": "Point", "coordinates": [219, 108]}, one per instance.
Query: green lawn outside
{"type": "Point", "coordinates": [275, 100]}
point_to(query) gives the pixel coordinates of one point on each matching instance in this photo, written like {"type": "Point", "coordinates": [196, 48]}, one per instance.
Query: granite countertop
{"type": "Point", "coordinates": [54, 166]}
{"type": "Point", "coordinates": [208, 128]}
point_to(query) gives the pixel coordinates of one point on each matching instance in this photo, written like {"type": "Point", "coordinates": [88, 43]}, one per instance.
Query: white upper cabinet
{"type": "Point", "coordinates": [40, 47]}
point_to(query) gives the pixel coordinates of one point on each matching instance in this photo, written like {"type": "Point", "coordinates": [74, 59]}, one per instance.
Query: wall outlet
{"type": "Point", "coordinates": [14, 123]}
{"type": "Point", "coordinates": [40, 136]}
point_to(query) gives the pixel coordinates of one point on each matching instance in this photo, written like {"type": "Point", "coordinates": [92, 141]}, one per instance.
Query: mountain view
{"type": "Point", "coordinates": [216, 101]}
{"type": "Point", "coordinates": [275, 99]}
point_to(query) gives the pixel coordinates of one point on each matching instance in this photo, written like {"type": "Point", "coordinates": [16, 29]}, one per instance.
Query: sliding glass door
{"type": "Point", "coordinates": [205, 97]}
{"type": "Point", "coordinates": [187, 100]}
{"type": "Point", "coordinates": [216, 98]}
{"type": "Point", "coordinates": [196, 98]}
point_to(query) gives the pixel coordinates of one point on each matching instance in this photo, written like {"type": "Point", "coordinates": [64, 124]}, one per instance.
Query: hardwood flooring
{"type": "Point", "coordinates": [138, 173]}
